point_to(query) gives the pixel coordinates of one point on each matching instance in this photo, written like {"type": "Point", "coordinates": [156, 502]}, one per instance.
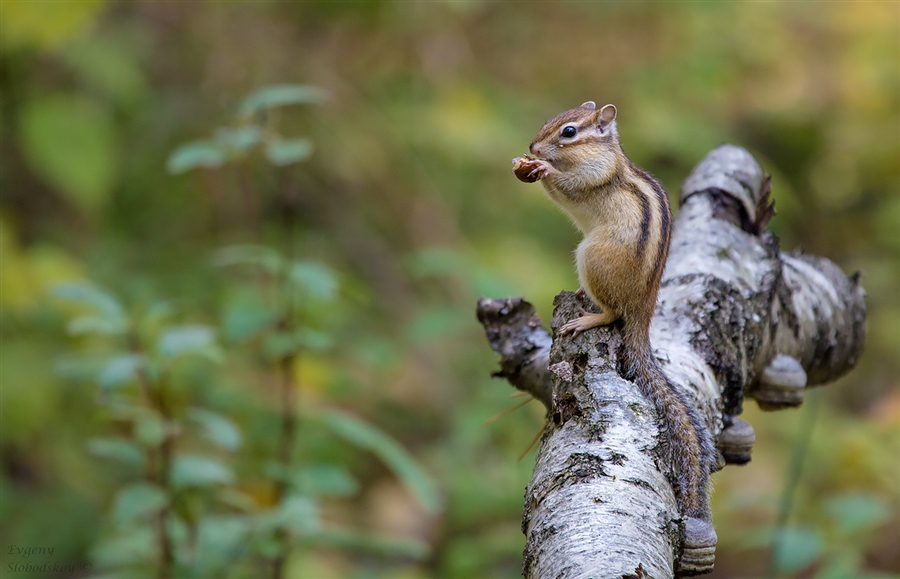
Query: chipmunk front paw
{"type": "Point", "coordinates": [528, 169]}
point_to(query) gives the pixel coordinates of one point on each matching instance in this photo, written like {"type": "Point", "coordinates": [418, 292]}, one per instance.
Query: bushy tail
{"type": "Point", "coordinates": [687, 443]}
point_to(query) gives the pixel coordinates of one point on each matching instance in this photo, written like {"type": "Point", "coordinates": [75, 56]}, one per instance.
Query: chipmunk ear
{"type": "Point", "coordinates": [590, 105]}
{"type": "Point", "coordinates": [606, 116]}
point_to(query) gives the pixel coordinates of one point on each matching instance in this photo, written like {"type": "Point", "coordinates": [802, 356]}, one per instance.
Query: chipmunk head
{"type": "Point", "coordinates": [583, 138]}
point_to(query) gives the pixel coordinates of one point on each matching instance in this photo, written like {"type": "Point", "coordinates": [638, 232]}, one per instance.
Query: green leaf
{"type": "Point", "coordinates": [259, 255]}
{"type": "Point", "coordinates": [246, 315]}
{"type": "Point", "coordinates": [220, 539]}
{"type": "Point", "coordinates": [138, 501]}
{"type": "Point", "coordinates": [81, 368]}
{"type": "Point", "coordinates": [854, 512]}
{"type": "Point", "coordinates": [266, 546]}
{"type": "Point", "coordinates": [277, 345]}
{"type": "Point", "coordinates": [297, 513]}
{"type": "Point", "coordinates": [240, 139]}
{"type": "Point", "coordinates": [91, 296]}
{"type": "Point", "coordinates": [236, 500]}
{"type": "Point", "coordinates": [217, 428]}
{"type": "Point", "coordinates": [284, 152]}
{"type": "Point", "coordinates": [120, 370]}
{"type": "Point", "coordinates": [150, 429]}
{"type": "Point", "coordinates": [366, 436]}
{"type": "Point", "coordinates": [325, 480]}
{"type": "Point", "coordinates": [319, 280]}
{"type": "Point", "coordinates": [71, 142]}
{"type": "Point", "coordinates": [158, 311]}
{"type": "Point", "coordinates": [199, 471]}
{"type": "Point", "coordinates": [797, 548]}
{"type": "Point", "coordinates": [280, 95]}
{"type": "Point", "coordinates": [128, 410]}
{"type": "Point", "coordinates": [356, 542]}
{"type": "Point", "coordinates": [97, 325]}
{"type": "Point", "coordinates": [280, 344]}
{"type": "Point", "coordinates": [109, 66]}
{"type": "Point", "coordinates": [116, 449]}
{"type": "Point", "coordinates": [193, 155]}
{"type": "Point", "coordinates": [130, 548]}
{"type": "Point", "coordinates": [182, 339]}
{"type": "Point", "coordinates": [313, 339]}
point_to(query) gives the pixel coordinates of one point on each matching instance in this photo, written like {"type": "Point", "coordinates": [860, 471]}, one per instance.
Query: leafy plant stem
{"type": "Point", "coordinates": [289, 419]}
{"type": "Point", "coordinates": [286, 365]}
{"type": "Point", "coordinates": [250, 201]}
{"type": "Point", "coordinates": [285, 451]}
{"type": "Point", "coordinates": [158, 460]}
{"type": "Point", "coordinates": [166, 450]}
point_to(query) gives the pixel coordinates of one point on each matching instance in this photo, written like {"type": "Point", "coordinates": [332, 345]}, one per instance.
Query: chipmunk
{"type": "Point", "coordinates": [624, 215]}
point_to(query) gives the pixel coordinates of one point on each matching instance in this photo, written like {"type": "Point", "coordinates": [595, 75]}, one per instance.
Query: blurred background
{"type": "Point", "coordinates": [242, 243]}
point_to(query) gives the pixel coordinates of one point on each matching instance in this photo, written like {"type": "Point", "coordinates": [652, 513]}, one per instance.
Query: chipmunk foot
{"type": "Point", "coordinates": [586, 322]}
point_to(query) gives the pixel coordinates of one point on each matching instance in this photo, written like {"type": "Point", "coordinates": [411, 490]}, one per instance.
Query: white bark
{"type": "Point", "coordinates": [735, 317]}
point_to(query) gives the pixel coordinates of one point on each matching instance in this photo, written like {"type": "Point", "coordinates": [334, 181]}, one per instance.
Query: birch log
{"type": "Point", "coordinates": [735, 318]}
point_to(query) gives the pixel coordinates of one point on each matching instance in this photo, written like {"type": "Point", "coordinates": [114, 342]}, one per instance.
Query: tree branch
{"type": "Point", "coordinates": [735, 317]}
{"type": "Point", "coordinates": [515, 332]}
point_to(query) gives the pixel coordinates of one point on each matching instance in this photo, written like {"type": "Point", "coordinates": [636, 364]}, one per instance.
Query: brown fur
{"type": "Point", "coordinates": [582, 114]}
{"type": "Point", "coordinates": [625, 217]}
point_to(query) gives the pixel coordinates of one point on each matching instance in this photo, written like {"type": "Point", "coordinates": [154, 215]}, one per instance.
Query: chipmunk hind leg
{"type": "Point", "coordinates": [586, 322]}
{"type": "Point", "coordinates": [598, 280]}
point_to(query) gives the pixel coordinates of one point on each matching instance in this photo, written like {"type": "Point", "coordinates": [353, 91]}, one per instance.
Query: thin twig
{"type": "Point", "coordinates": [507, 411]}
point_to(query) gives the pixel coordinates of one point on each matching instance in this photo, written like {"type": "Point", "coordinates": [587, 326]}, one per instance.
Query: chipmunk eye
{"type": "Point", "coordinates": [569, 132]}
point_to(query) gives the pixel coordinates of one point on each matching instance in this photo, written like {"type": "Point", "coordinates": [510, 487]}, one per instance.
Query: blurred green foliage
{"type": "Point", "coordinates": [154, 149]}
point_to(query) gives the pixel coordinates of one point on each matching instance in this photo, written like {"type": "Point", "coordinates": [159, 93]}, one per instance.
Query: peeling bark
{"type": "Point", "coordinates": [735, 318]}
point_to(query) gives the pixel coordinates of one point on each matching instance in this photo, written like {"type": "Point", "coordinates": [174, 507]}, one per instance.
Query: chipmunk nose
{"type": "Point", "coordinates": [531, 148]}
